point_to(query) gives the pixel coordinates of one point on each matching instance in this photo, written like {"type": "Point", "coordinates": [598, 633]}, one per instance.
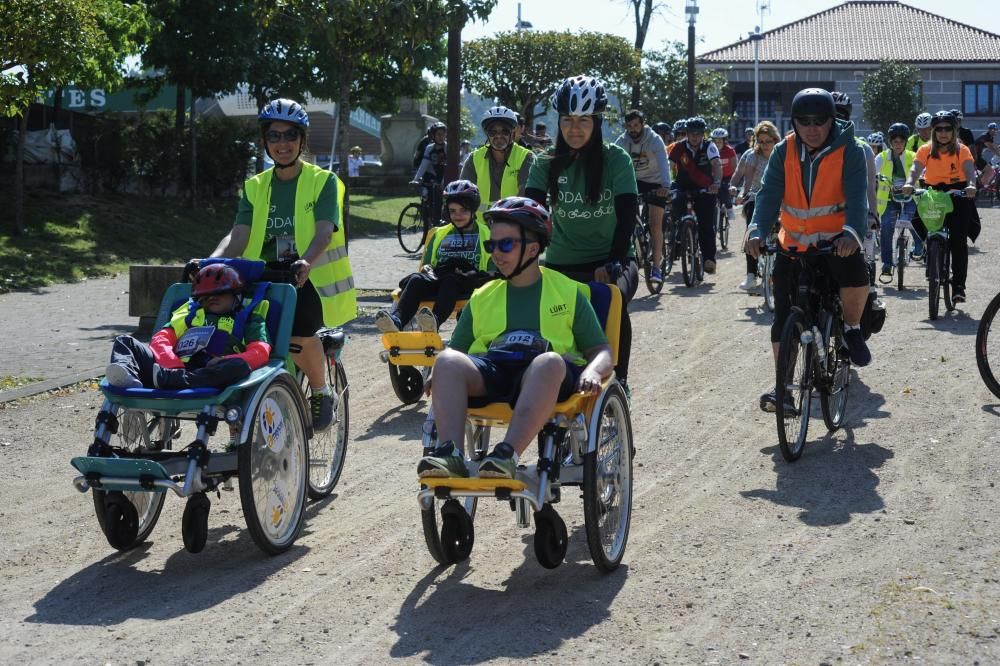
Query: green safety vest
{"type": "Point", "coordinates": [508, 184]}
{"type": "Point", "coordinates": [441, 232]}
{"type": "Point", "coordinates": [885, 187]}
{"type": "Point", "coordinates": [557, 309]}
{"type": "Point", "coordinates": [331, 272]}
{"type": "Point", "coordinates": [914, 142]}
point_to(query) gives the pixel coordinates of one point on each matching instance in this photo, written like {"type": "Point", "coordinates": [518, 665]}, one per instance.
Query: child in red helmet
{"type": "Point", "coordinates": [211, 341]}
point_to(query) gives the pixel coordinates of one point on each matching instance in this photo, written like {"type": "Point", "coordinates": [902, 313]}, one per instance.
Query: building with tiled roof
{"type": "Point", "coordinates": [836, 48]}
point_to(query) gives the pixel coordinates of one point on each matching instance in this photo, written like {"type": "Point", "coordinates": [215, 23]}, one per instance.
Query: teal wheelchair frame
{"type": "Point", "coordinates": [269, 456]}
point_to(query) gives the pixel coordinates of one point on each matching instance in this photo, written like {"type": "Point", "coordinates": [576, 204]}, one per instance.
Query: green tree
{"type": "Point", "coordinates": [48, 44]}
{"type": "Point", "coordinates": [890, 94]}
{"type": "Point", "coordinates": [522, 69]}
{"type": "Point", "coordinates": [664, 80]}
{"type": "Point", "coordinates": [437, 106]}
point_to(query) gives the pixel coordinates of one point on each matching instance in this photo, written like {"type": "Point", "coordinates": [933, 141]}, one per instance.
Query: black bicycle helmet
{"type": "Point", "coordinates": [842, 104]}
{"type": "Point", "coordinates": [696, 124]}
{"type": "Point", "coordinates": [662, 128]}
{"type": "Point", "coordinates": [898, 130]}
{"type": "Point", "coordinates": [813, 102]}
{"type": "Point", "coordinates": [943, 117]}
{"type": "Point", "coordinates": [524, 212]}
{"type": "Point", "coordinates": [580, 96]}
{"type": "Point", "coordinates": [463, 192]}
{"type": "Point", "coordinates": [435, 127]}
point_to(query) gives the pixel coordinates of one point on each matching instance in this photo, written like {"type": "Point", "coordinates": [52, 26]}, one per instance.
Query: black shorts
{"type": "Point", "coordinates": [843, 271]}
{"type": "Point", "coordinates": [308, 312]}
{"type": "Point", "coordinates": [645, 187]}
{"type": "Point", "coordinates": [503, 380]}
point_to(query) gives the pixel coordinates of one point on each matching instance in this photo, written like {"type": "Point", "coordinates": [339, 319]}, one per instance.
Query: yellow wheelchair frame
{"type": "Point", "coordinates": [587, 442]}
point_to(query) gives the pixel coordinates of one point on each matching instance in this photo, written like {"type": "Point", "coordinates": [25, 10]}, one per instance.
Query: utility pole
{"type": "Point", "coordinates": [691, 10]}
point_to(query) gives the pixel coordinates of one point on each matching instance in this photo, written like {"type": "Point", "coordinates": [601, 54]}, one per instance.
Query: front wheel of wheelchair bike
{"type": "Point", "coordinates": [836, 387]}
{"type": "Point", "coordinates": [607, 481]}
{"type": "Point", "coordinates": [115, 509]}
{"type": "Point", "coordinates": [273, 467]}
{"type": "Point", "coordinates": [328, 449]}
{"type": "Point", "coordinates": [987, 358]}
{"type": "Point", "coordinates": [551, 538]}
{"type": "Point", "coordinates": [407, 383]}
{"type": "Point", "coordinates": [478, 439]}
{"type": "Point", "coordinates": [194, 522]}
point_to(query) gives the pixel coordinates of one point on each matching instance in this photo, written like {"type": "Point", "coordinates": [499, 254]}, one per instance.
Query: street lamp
{"type": "Point", "coordinates": [755, 38]}
{"type": "Point", "coordinates": [521, 25]}
{"type": "Point", "coordinates": [691, 11]}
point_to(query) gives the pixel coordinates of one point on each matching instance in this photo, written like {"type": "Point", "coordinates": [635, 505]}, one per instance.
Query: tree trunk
{"type": "Point", "coordinates": [641, 29]}
{"type": "Point", "coordinates": [344, 115]}
{"type": "Point", "coordinates": [56, 110]}
{"type": "Point", "coordinates": [194, 158]}
{"type": "Point", "coordinates": [19, 226]}
{"type": "Point", "coordinates": [180, 113]}
{"type": "Point", "coordinates": [454, 98]}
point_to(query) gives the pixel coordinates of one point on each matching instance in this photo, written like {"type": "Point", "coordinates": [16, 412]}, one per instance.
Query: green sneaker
{"type": "Point", "coordinates": [444, 462]}
{"type": "Point", "coordinates": [499, 464]}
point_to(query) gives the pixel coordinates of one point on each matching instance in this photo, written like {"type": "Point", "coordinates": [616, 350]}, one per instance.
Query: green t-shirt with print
{"type": "Point", "coordinates": [584, 232]}
{"type": "Point", "coordinates": [523, 304]}
{"type": "Point", "coordinates": [279, 236]}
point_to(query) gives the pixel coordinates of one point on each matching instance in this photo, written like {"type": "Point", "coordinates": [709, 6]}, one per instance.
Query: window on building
{"type": "Point", "coordinates": [743, 106]}
{"type": "Point", "coordinates": [980, 98]}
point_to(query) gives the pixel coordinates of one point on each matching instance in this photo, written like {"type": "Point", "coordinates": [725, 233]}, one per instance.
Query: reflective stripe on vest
{"type": "Point", "coordinates": [805, 221]}
{"type": "Point", "coordinates": [441, 232]}
{"type": "Point", "coordinates": [885, 186]}
{"type": "Point", "coordinates": [331, 273]}
{"type": "Point", "coordinates": [508, 183]}
{"type": "Point", "coordinates": [556, 312]}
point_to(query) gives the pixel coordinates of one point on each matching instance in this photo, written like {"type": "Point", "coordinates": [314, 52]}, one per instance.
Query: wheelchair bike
{"type": "Point", "coordinates": [587, 443]}
{"type": "Point", "coordinates": [131, 463]}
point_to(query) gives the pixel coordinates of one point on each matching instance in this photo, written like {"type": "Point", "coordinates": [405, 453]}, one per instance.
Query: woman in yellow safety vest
{"type": "Point", "coordinates": [290, 217]}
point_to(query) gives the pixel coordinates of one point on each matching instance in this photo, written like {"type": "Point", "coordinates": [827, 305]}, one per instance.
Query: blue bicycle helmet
{"type": "Point", "coordinates": [287, 110]}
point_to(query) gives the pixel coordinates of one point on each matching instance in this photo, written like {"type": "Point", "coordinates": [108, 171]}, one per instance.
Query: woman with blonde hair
{"type": "Point", "coordinates": [749, 172]}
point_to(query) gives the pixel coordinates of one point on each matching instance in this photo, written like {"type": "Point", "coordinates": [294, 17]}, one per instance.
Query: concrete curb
{"type": "Point", "coordinates": [50, 384]}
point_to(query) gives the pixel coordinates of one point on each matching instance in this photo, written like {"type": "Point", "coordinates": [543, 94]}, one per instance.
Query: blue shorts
{"type": "Point", "coordinates": [503, 380]}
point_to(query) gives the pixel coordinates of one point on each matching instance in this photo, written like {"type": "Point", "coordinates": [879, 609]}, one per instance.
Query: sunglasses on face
{"type": "Point", "coordinates": [504, 245]}
{"type": "Point", "coordinates": [274, 136]}
{"type": "Point", "coordinates": [498, 131]}
{"type": "Point", "coordinates": [943, 128]}
{"type": "Point", "coordinates": [765, 142]}
{"type": "Point", "coordinates": [814, 121]}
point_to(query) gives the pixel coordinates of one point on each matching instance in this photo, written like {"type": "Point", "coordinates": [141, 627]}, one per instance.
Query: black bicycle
{"type": "Point", "coordinates": [686, 242]}
{"type": "Point", "coordinates": [938, 264]}
{"type": "Point", "coordinates": [722, 225]}
{"type": "Point", "coordinates": [643, 242]}
{"type": "Point", "coordinates": [811, 355]}
{"type": "Point", "coordinates": [415, 221]}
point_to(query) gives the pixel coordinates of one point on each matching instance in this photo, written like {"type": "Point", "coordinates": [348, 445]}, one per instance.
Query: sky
{"type": "Point", "coordinates": [719, 22]}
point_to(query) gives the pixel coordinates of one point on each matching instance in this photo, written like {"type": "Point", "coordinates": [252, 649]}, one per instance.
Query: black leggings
{"type": "Point", "coordinates": [445, 290]}
{"type": "Point", "coordinates": [628, 283]}
{"type": "Point", "coordinates": [751, 262]}
{"type": "Point", "coordinates": [958, 222]}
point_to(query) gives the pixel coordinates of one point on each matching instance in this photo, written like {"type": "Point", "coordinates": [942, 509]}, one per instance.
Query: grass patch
{"type": "Point", "coordinates": [75, 236]}
{"type": "Point", "coordinates": [8, 382]}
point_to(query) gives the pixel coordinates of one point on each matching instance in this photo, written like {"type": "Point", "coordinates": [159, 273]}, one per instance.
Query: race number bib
{"type": "Point", "coordinates": [194, 340]}
{"type": "Point", "coordinates": [524, 344]}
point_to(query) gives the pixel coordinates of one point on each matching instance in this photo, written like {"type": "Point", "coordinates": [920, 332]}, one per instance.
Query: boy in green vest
{"type": "Point", "coordinates": [531, 339]}
{"type": "Point", "coordinates": [210, 342]}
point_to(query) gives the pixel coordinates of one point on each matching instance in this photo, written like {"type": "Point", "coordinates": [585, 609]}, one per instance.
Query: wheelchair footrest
{"type": "Point", "coordinates": [474, 484]}
{"type": "Point", "coordinates": [144, 472]}
{"type": "Point", "coordinates": [412, 347]}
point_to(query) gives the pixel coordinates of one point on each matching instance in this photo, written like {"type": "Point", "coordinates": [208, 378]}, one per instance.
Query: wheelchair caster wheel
{"type": "Point", "coordinates": [551, 539]}
{"type": "Point", "coordinates": [407, 383]}
{"type": "Point", "coordinates": [457, 532]}
{"type": "Point", "coordinates": [194, 524]}
{"type": "Point", "coordinates": [121, 521]}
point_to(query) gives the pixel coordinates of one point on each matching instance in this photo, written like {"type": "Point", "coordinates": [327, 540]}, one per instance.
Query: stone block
{"type": "Point", "coordinates": [146, 286]}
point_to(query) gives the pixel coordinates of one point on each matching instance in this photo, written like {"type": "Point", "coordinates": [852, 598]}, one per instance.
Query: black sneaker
{"type": "Point", "coordinates": [443, 462]}
{"type": "Point", "coordinates": [321, 407]}
{"type": "Point", "coordinates": [500, 463]}
{"type": "Point", "coordinates": [855, 341]}
{"type": "Point", "coordinates": [959, 295]}
{"type": "Point", "coordinates": [769, 403]}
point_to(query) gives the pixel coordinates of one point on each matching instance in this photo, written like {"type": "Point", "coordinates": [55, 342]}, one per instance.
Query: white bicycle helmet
{"type": "Point", "coordinates": [876, 138]}
{"type": "Point", "coordinates": [580, 96]}
{"type": "Point", "coordinates": [287, 110]}
{"type": "Point", "coordinates": [498, 113]}
{"type": "Point", "coordinates": [719, 133]}
{"type": "Point", "coordinates": [923, 121]}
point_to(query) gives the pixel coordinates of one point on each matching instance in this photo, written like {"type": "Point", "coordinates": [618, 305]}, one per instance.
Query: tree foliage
{"type": "Point", "coordinates": [437, 106]}
{"type": "Point", "coordinates": [890, 94]}
{"type": "Point", "coordinates": [522, 69]}
{"type": "Point", "coordinates": [664, 80]}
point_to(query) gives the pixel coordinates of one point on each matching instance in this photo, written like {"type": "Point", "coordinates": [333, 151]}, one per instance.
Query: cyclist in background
{"type": "Point", "coordinates": [922, 134]}
{"type": "Point", "coordinates": [985, 151]}
{"type": "Point", "coordinates": [746, 144]}
{"type": "Point", "coordinates": [500, 168]}
{"type": "Point", "coordinates": [728, 158]}
{"type": "Point", "coordinates": [652, 175]}
{"type": "Point", "coordinates": [947, 164]}
{"type": "Point", "coordinates": [665, 132]}
{"type": "Point", "coordinates": [748, 175]}
{"type": "Point", "coordinates": [876, 141]}
{"type": "Point", "coordinates": [816, 178]}
{"type": "Point", "coordinates": [698, 168]}
{"type": "Point", "coordinates": [893, 165]}
{"type": "Point", "coordinates": [844, 108]}
{"type": "Point", "coordinates": [430, 173]}
{"type": "Point", "coordinates": [965, 135]}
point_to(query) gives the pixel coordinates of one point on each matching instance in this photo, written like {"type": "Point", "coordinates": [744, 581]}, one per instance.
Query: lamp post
{"type": "Point", "coordinates": [755, 38]}
{"type": "Point", "coordinates": [691, 10]}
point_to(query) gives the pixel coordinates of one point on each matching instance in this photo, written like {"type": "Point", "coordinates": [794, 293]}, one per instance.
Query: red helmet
{"type": "Point", "coordinates": [524, 212]}
{"type": "Point", "coordinates": [216, 279]}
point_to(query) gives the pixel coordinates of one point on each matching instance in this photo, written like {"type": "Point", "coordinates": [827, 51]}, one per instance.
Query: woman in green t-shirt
{"type": "Point", "coordinates": [594, 199]}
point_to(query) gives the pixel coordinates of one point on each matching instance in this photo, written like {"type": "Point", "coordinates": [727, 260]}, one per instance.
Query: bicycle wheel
{"type": "Point", "coordinates": [949, 304]}
{"type": "Point", "coordinates": [410, 228]}
{"type": "Point", "coordinates": [984, 352]}
{"type": "Point", "coordinates": [900, 259]}
{"type": "Point", "coordinates": [766, 267]}
{"type": "Point", "coordinates": [935, 249]}
{"type": "Point", "coordinates": [688, 256]}
{"type": "Point", "coordinates": [328, 449]}
{"type": "Point", "coordinates": [640, 241]}
{"type": "Point", "coordinates": [723, 228]}
{"type": "Point", "coordinates": [837, 383]}
{"type": "Point", "coordinates": [669, 245]}
{"type": "Point", "coordinates": [793, 382]}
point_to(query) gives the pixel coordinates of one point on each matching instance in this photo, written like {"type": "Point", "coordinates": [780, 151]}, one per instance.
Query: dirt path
{"type": "Point", "coordinates": [878, 546]}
